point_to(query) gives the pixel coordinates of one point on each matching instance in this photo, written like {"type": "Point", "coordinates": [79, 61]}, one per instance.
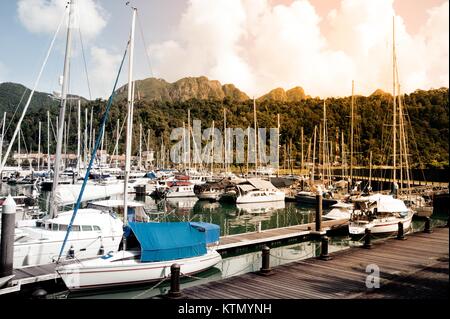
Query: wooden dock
{"type": "Point", "coordinates": [275, 235]}
{"type": "Point", "coordinates": [390, 180]}
{"type": "Point", "coordinates": [43, 273]}
{"type": "Point", "coordinates": [412, 268]}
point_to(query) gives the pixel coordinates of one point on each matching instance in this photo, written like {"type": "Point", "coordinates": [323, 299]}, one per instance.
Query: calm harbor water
{"type": "Point", "coordinates": [233, 219]}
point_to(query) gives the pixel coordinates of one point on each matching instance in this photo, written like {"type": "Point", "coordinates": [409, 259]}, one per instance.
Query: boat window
{"type": "Point", "coordinates": [96, 227]}
{"type": "Point", "coordinates": [75, 227]}
{"type": "Point", "coordinates": [54, 226]}
{"type": "Point", "coordinates": [86, 228]}
{"type": "Point", "coordinates": [62, 227]}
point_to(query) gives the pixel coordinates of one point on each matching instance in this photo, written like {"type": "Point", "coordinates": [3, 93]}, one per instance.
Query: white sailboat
{"type": "Point", "coordinates": [156, 245]}
{"type": "Point", "coordinates": [39, 242]}
{"type": "Point", "coordinates": [382, 213]}
{"type": "Point", "coordinates": [379, 213]}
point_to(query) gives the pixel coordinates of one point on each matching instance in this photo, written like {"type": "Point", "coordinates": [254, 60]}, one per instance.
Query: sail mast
{"type": "Point", "coordinates": [62, 110]}
{"type": "Point", "coordinates": [351, 131]}
{"type": "Point", "coordinates": [79, 136]}
{"type": "Point", "coordinates": [39, 148]}
{"type": "Point", "coordinates": [48, 141]}
{"type": "Point", "coordinates": [3, 136]}
{"type": "Point", "coordinates": [256, 137]}
{"type": "Point", "coordinates": [129, 124]}
{"type": "Point", "coordinates": [394, 120]}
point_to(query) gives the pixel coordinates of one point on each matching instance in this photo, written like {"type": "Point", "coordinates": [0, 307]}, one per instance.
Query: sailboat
{"type": "Point", "coordinates": [382, 213]}
{"type": "Point", "coordinates": [94, 231]}
{"type": "Point", "coordinates": [149, 249]}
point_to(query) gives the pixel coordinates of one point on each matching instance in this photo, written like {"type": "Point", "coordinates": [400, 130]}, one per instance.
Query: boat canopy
{"type": "Point", "coordinates": [168, 241]}
{"type": "Point", "coordinates": [391, 205]}
{"type": "Point", "coordinates": [212, 231]}
{"type": "Point", "coordinates": [68, 194]}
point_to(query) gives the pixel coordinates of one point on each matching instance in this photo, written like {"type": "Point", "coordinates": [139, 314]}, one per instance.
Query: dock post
{"type": "Point", "coordinates": [367, 242]}
{"type": "Point", "coordinates": [324, 249]}
{"type": "Point", "coordinates": [265, 269]}
{"type": "Point", "coordinates": [7, 237]}
{"type": "Point", "coordinates": [400, 232]}
{"type": "Point", "coordinates": [319, 211]}
{"type": "Point", "coordinates": [427, 225]}
{"type": "Point", "coordinates": [174, 291]}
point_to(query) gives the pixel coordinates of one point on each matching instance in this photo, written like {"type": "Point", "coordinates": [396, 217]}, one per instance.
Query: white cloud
{"type": "Point", "coordinates": [43, 16]}
{"type": "Point", "coordinates": [258, 46]}
{"type": "Point", "coordinates": [104, 71]}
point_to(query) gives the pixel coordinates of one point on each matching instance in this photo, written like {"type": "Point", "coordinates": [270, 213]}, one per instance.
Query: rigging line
{"type": "Point", "coordinates": [94, 151]}
{"type": "Point", "coordinates": [53, 130]}
{"type": "Point", "coordinates": [145, 44]}
{"type": "Point", "coordinates": [2, 165]}
{"type": "Point", "coordinates": [15, 111]}
{"type": "Point", "coordinates": [23, 139]}
{"type": "Point", "coordinates": [85, 64]}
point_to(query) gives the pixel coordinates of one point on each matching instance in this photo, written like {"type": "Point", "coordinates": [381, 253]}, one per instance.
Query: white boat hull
{"type": "Point", "coordinates": [277, 196]}
{"type": "Point", "coordinates": [380, 227]}
{"type": "Point", "coordinates": [100, 273]}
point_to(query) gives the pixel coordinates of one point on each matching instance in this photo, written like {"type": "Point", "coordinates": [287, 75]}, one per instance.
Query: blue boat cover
{"type": "Point", "coordinates": [212, 231]}
{"type": "Point", "coordinates": [168, 241]}
{"type": "Point", "coordinates": [151, 175]}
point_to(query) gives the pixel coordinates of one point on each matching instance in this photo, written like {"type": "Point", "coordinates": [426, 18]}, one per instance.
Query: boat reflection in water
{"type": "Point", "coordinates": [261, 208]}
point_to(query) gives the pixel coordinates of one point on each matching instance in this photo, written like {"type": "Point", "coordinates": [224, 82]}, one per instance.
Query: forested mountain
{"type": "Point", "coordinates": [427, 115]}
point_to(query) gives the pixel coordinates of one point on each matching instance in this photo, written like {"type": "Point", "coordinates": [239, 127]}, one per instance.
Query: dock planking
{"type": "Point", "coordinates": [412, 268]}
{"type": "Point", "coordinates": [271, 235]}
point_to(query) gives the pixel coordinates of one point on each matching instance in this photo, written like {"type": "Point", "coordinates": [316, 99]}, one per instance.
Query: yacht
{"type": "Point", "coordinates": [180, 189]}
{"type": "Point", "coordinates": [258, 191]}
{"type": "Point", "coordinates": [93, 232]}
{"type": "Point", "coordinates": [379, 213]}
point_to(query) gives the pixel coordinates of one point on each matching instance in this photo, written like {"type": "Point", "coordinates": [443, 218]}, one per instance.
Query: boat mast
{"type": "Point", "coordinates": [324, 138]}
{"type": "Point", "coordinates": [394, 119]}
{"type": "Point", "coordinates": [48, 141]}
{"type": "Point", "coordinates": [314, 155]}
{"type": "Point", "coordinates": [278, 143]}
{"type": "Point", "coordinates": [256, 137]}
{"type": "Point", "coordinates": [62, 109]}
{"type": "Point", "coordinates": [129, 124]}
{"type": "Point", "coordinates": [212, 151]}
{"type": "Point", "coordinates": [116, 148]}
{"type": "Point", "coordinates": [225, 144]}
{"type": "Point", "coordinates": [301, 162]}
{"type": "Point", "coordinates": [3, 136]}
{"type": "Point", "coordinates": [39, 148]}
{"type": "Point", "coordinates": [351, 131]}
{"type": "Point", "coordinates": [79, 136]}
{"type": "Point", "coordinates": [189, 140]}
{"type": "Point", "coordinates": [140, 146]}
{"type": "Point", "coordinates": [18, 157]}
{"type": "Point", "coordinates": [370, 170]}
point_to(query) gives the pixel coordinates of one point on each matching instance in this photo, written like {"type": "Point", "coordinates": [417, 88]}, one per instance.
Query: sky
{"type": "Point", "coordinates": [258, 45]}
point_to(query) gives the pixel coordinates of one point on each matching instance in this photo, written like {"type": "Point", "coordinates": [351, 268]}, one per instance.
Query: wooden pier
{"type": "Point", "coordinates": [275, 235]}
{"type": "Point", "coordinates": [390, 180]}
{"type": "Point", "coordinates": [44, 273]}
{"type": "Point", "coordinates": [412, 268]}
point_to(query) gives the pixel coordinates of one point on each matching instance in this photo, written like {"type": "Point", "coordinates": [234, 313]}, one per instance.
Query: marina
{"type": "Point", "coordinates": [122, 185]}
